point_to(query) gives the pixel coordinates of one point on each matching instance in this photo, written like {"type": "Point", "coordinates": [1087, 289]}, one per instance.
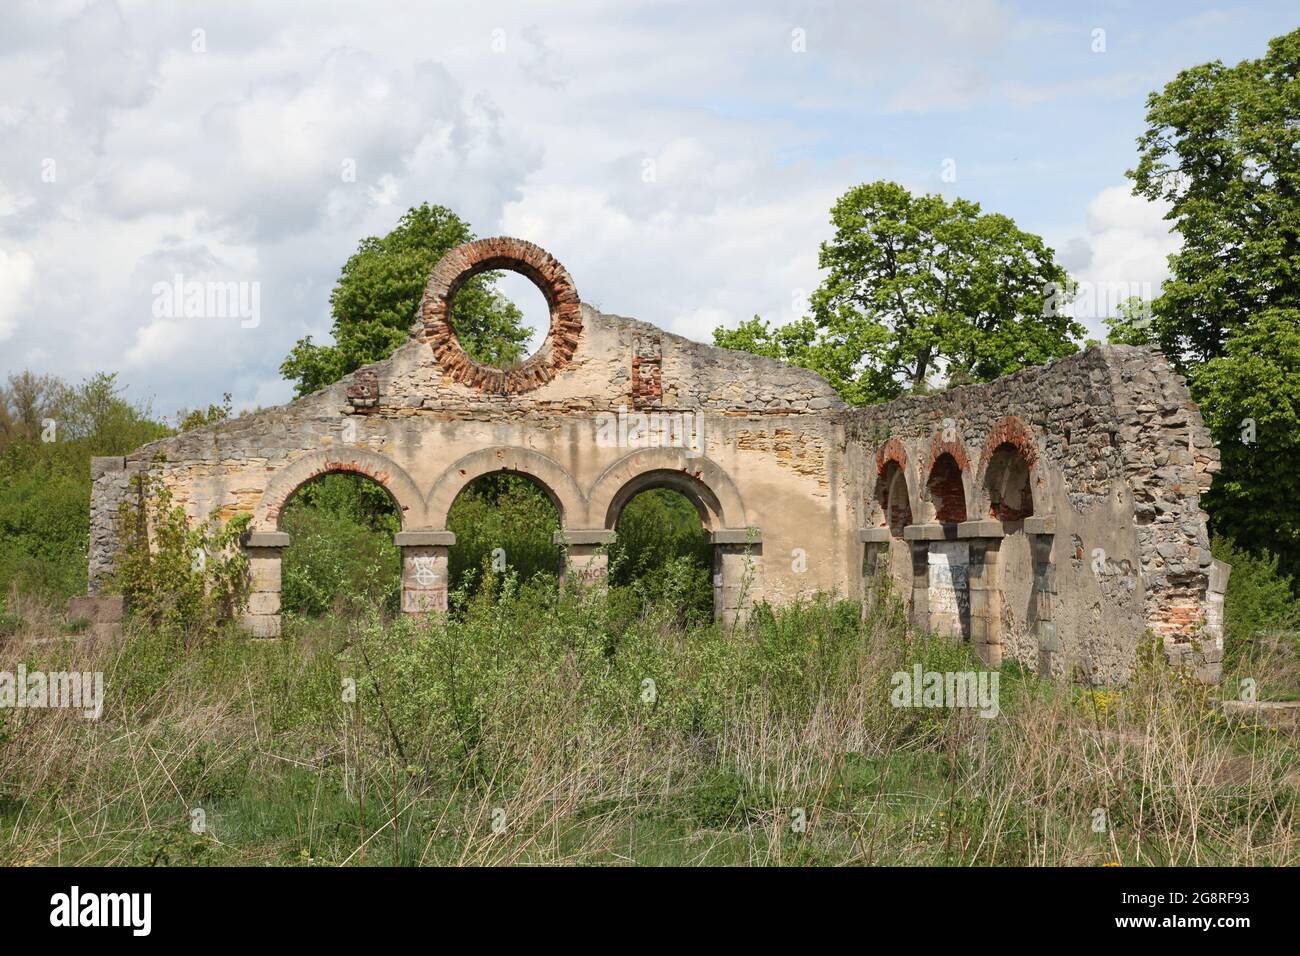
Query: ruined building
{"type": "Point", "coordinates": [1051, 517]}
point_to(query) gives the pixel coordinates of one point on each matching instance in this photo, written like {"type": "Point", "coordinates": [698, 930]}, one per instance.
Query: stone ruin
{"type": "Point", "coordinates": [1051, 517]}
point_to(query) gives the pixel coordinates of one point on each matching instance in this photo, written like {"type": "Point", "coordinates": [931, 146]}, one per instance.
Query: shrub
{"type": "Point", "coordinates": [1259, 599]}
{"type": "Point", "coordinates": [507, 512]}
{"type": "Point", "coordinates": [662, 555]}
{"type": "Point", "coordinates": [335, 562]}
{"type": "Point", "coordinates": [175, 576]}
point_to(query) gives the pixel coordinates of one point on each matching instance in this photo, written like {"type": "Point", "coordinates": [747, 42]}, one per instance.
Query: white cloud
{"type": "Point", "coordinates": [229, 165]}
{"type": "Point", "coordinates": [17, 272]}
{"type": "Point", "coordinates": [1124, 251]}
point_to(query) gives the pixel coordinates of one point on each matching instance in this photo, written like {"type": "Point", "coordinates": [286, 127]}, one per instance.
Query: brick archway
{"type": "Point", "coordinates": [552, 478]}
{"type": "Point", "coordinates": [894, 500]}
{"type": "Point", "coordinates": [947, 493]}
{"type": "Point", "coordinates": [708, 487]}
{"type": "Point", "coordinates": [1010, 431]}
{"type": "Point", "coordinates": [358, 461]}
{"type": "Point", "coordinates": [546, 272]}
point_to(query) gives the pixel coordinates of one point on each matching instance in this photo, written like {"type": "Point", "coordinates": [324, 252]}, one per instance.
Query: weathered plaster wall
{"type": "Point", "coordinates": [1107, 442]}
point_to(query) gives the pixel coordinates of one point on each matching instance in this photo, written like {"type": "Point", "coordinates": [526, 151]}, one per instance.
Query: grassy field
{"type": "Point", "coordinates": [540, 727]}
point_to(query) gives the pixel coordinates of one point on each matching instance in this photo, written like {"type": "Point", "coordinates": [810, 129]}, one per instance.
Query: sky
{"type": "Point", "coordinates": [680, 159]}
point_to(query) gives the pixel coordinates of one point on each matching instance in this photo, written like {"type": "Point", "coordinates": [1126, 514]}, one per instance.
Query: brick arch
{"type": "Point", "coordinates": [468, 260]}
{"type": "Point", "coordinates": [358, 461]}
{"type": "Point", "coordinates": [1008, 430]}
{"type": "Point", "coordinates": [704, 482]}
{"type": "Point", "coordinates": [939, 447]}
{"type": "Point", "coordinates": [551, 477]}
{"type": "Point", "coordinates": [890, 453]}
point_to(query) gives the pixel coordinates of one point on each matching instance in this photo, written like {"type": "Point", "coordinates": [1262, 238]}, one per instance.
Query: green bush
{"type": "Point", "coordinates": [175, 576]}
{"type": "Point", "coordinates": [506, 512]}
{"type": "Point", "coordinates": [1259, 597]}
{"type": "Point", "coordinates": [335, 562]}
{"type": "Point", "coordinates": [662, 555]}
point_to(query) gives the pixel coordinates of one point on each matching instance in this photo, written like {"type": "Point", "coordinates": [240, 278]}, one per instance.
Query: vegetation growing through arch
{"type": "Point", "coordinates": [503, 523]}
{"type": "Point", "coordinates": [662, 554]}
{"type": "Point", "coordinates": [341, 554]}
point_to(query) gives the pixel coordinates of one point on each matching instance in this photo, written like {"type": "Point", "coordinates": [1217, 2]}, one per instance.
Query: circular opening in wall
{"type": "Point", "coordinates": [501, 318]}
{"type": "Point", "coordinates": [462, 316]}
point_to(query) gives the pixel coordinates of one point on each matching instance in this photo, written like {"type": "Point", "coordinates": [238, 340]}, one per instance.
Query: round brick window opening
{"type": "Point", "coordinates": [556, 285]}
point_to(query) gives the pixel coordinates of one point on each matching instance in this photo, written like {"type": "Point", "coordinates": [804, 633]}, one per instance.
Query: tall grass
{"type": "Point", "coordinates": [540, 725]}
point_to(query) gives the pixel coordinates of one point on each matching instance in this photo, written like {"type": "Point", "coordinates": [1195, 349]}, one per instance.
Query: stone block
{"type": "Point", "coordinates": [1047, 639]}
{"type": "Point", "coordinates": [264, 602]}
{"type": "Point", "coordinates": [1040, 524]}
{"type": "Point", "coordinates": [987, 528]}
{"type": "Point", "coordinates": [595, 536]}
{"type": "Point", "coordinates": [98, 609]}
{"type": "Point", "coordinates": [264, 574]}
{"type": "Point", "coordinates": [264, 539]}
{"type": "Point", "coordinates": [102, 465]}
{"type": "Point", "coordinates": [423, 600]}
{"type": "Point", "coordinates": [1218, 574]}
{"type": "Point", "coordinates": [424, 539]}
{"type": "Point", "coordinates": [262, 625]}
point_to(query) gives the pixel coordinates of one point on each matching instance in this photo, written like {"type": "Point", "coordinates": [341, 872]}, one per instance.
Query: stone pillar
{"type": "Point", "coordinates": [916, 536]}
{"type": "Point", "coordinates": [262, 618]}
{"type": "Point", "coordinates": [940, 588]}
{"type": "Point", "coordinates": [424, 569]}
{"type": "Point", "coordinates": [875, 564]}
{"type": "Point", "coordinates": [1042, 534]}
{"type": "Point", "coordinates": [984, 539]}
{"type": "Point", "coordinates": [1211, 669]}
{"type": "Point", "coordinates": [586, 555]}
{"type": "Point", "coordinates": [110, 481]}
{"type": "Point", "coordinates": [734, 572]}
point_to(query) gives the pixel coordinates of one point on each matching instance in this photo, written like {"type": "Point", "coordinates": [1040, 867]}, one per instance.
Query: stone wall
{"type": "Point", "coordinates": [1051, 517]}
{"type": "Point", "coordinates": [1081, 482]}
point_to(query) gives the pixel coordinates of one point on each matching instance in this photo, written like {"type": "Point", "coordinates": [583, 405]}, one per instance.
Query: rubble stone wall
{"type": "Point", "coordinates": [1051, 516]}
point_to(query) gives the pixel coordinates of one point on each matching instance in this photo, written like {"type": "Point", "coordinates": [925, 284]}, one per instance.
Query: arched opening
{"type": "Point", "coordinates": [699, 495]}
{"type": "Point", "coordinates": [504, 521]}
{"type": "Point", "coordinates": [341, 556]}
{"type": "Point", "coordinates": [945, 489]}
{"type": "Point", "coordinates": [1007, 481]}
{"type": "Point", "coordinates": [891, 494]}
{"type": "Point", "coordinates": [662, 552]}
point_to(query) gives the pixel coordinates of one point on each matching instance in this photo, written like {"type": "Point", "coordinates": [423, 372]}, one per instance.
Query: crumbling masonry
{"type": "Point", "coordinates": [1051, 517]}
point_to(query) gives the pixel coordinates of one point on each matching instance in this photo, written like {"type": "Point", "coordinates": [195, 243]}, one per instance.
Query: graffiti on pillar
{"type": "Point", "coordinates": [950, 579]}
{"type": "Point", "coordinates": [425, 573]}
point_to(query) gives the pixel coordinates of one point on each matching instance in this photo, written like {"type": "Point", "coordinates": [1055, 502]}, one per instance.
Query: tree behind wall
{"type": "Point", "coordinates": [917, 286]}
{"type": "Point", "coordinates": [379, 290]}
{"type": "Point", "coordinates": [1220, 148]}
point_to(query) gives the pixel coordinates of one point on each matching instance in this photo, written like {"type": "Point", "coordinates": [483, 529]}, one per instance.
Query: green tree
{"type": "Point", "coordinates": [1132, 324]}
{"type": "Point", "coordinates": [45, 474]}
{"type": "Point", "coordinates": [378, 292]}
{"type": "Point", "coordinates": [916, 286]}
{"type": "Point", "coordinates": [189, 419]}
{"type": "Point", "coordinates": [1250, 397]}
{"type": "Point", "coordinates": [1220, 148]}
